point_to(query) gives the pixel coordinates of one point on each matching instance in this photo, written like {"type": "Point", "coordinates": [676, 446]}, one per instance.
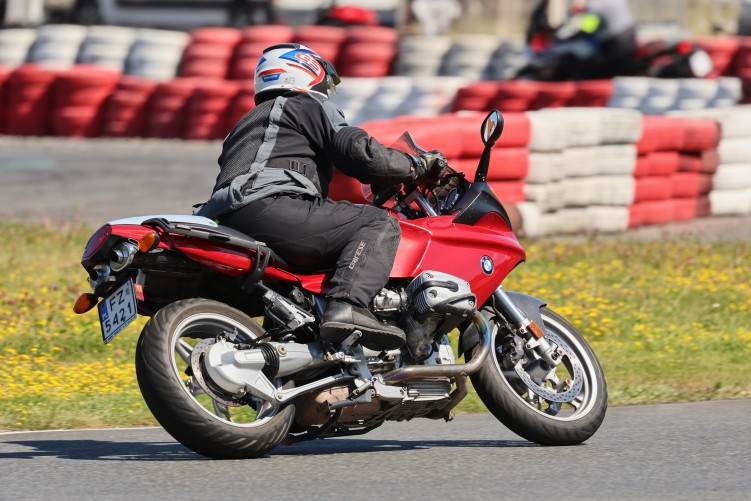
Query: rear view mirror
{"type": "Point", "coordinates": [492, 127]}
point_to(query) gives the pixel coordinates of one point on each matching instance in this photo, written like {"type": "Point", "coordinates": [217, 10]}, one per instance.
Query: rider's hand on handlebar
{"type": "Point", "coordinates": [430, 167]}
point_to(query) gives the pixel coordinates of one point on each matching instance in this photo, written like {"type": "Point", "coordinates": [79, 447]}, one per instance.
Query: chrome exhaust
{"type": "Point", "coordinates": [452, 370]}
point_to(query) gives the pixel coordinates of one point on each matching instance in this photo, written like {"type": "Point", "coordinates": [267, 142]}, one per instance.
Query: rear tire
{"type": "Point", "coordinates": [174, 402]}
{"type": "Point", "coordinates": [530, 416]}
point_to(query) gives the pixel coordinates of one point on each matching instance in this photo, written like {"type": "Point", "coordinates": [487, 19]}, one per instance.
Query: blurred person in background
{"type": "Point", "coordinates": [594, 38]}
{"type": "Point", "coordinates": [275, 169]}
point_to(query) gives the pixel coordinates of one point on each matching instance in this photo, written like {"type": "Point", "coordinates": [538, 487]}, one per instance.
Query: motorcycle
{"type": "Point", "coordinates": [231, 363]}
{"type": "Point", "coordinates": [569, 53]}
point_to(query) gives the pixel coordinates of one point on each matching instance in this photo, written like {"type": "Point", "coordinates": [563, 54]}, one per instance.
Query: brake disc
{"type": "Point", "coordinates": [547, 393]}
{"type": "Point", "coordinates": [196, 357]}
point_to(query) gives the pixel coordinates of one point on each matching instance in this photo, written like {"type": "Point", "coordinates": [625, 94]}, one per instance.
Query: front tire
{"type": "Point", "coordinates": [215, 427]}
{"type": "Point", "coordinates": [545, 410]}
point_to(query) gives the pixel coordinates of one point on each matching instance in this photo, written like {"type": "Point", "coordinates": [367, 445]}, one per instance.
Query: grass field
{"type": "Point", "coordinates": [669, 321]}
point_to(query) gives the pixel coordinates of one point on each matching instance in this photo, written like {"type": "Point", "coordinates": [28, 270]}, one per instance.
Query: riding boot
{"type": "Point", "coordinates": [341, 318]}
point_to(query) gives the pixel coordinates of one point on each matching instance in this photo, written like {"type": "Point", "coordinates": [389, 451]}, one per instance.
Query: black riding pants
{"type": "Point", "coordinates": [359, 240]}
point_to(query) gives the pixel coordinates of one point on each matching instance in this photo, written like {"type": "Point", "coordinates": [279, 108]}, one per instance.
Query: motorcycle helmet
{"type": "Point", "coordinates": [295, 67]}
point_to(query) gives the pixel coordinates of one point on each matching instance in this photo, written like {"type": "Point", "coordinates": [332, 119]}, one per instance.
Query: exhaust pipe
{"type": "Point", "coordinates": [452, 370]}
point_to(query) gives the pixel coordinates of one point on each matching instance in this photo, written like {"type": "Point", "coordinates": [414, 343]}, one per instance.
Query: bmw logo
{"type": "Point", "coordinates": [487, 265]}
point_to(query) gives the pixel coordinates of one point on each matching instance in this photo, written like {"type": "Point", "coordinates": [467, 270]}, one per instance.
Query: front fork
{"type": "Point", "coordinates": [529, 329]}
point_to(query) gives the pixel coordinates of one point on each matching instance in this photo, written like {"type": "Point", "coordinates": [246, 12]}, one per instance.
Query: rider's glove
{"type": "Point", "coordinates": [429, 167]}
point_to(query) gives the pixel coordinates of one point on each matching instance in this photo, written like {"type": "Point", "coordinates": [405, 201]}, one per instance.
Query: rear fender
{"type": "Point", "coordinates": [529, 305]}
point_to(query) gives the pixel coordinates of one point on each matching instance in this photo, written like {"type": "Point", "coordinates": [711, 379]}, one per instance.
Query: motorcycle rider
{"type": "Point", "coordinates": [607, 27]}
{"type": "Point", "coordinates": [275, 169]}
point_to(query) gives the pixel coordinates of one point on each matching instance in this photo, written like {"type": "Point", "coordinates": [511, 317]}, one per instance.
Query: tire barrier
{"type": "Point", "coordinates": [730, 192]}
{"type": "Point", "coordinates": [207, 116]}
{"type": "Point", "coordinates": [209, 53]}
{"type": "Point", "coordinates": [107, 46]}
{"type": "Point", "coordinates": [125, 110]}
{"type": "Point", "coordinates": [156, 54]}
{"type": "Point", "coordinates": [28, 100]}
{"type": "Point", "coordinates": [168, 109]}
{"type": "Point", "coordinates": [57, 45]}
{"type": "Point", "coordinates": [79, 94]}
{"type": "Point", "coordinates": [367, 99]}
{"type": "Point", "coordinates": [15, 45]}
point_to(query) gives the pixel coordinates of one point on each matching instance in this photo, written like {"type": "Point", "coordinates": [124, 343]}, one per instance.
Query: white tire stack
{"type": "Point", "coordinates": [57, 45]}
{"type": "Point", "coordinates": [107, 46]}
{"type": "Point", "coordinates": [656, 96]}
{"type": "Point", "coordinates": [15, 45]}
{"type": "Point", "coordinates": [580, 177]}
{"type": "Point", "coordinates": [156, 54]}
{"type": "Point", "coordinates": [421, 56]}
{"type": "Point", "coordinates": [731, 184]}
{"type": "Point", "coordinates": [469, 56]}
{"type": "Point", "coordinates": [352, 95]}
{"type": "Point", "coordinates": [388, 99]}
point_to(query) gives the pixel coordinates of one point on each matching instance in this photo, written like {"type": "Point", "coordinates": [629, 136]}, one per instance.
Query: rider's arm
{"type": "Point", "coordinates": [351, 149]}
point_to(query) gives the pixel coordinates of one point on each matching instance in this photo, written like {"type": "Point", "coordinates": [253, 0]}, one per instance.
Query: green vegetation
{"type": "Point", "coordinates": [669, 321]}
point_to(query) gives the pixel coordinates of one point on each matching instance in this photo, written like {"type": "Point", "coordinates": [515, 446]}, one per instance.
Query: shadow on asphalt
{"type": "Point", "coordinates": [168, 451]}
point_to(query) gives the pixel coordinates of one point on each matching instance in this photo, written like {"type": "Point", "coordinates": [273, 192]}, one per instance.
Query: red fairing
{"type": "Point", "coordinates": [437, 243]}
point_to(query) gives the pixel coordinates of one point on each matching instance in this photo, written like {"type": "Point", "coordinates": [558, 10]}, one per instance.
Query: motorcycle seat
{"type": "Point", "coordinates": [225, 234]}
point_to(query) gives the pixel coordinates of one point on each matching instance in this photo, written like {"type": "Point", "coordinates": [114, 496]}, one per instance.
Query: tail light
{"type": "Point", "coordinates": [96, 242]}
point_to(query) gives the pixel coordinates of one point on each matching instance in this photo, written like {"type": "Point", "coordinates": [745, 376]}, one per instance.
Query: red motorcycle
{"type": "Point", "coordinates": [231, 363]}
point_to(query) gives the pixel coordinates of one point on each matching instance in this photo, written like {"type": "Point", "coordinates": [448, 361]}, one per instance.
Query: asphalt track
{"type": "Point", "coordinates": [694, 451]}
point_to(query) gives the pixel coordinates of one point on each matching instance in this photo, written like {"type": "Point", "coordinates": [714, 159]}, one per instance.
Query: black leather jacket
{"type": "Point", "coordinates": [289, 144]}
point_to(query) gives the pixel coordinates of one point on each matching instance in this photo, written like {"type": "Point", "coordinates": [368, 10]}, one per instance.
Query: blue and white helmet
{"type": "Point", "coordinates": [295, 67]}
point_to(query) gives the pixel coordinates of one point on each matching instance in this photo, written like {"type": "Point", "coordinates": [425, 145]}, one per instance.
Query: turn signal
{"type": "Point", "coordinates": [84, 303]}
{"type": "Point", "coordinates": [148, 242]}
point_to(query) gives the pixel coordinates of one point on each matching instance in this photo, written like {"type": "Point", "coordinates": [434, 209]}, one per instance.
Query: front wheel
{"type": "Point", "coordinates": [200, 415]}
{"type": "Point", "coordinates": [562, 406]}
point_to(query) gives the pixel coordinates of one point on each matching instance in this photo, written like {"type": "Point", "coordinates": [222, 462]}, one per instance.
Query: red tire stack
{"type": "Point", "coordinates": [592, 93]}
{"type": "Point", "coordinates": [125, 110]}
{"type": "Point", "coordinates": [79, 95]}
{"type": "Point", "coordinates": [515, 95]}
{"type": "Point", "coordinates": [553, 95]}
{"type": "Point", "coordinates": [29, 98]}
{"type": "Point", "coordinates": [250, 49]}
{"type": "Point", "coordinates": [168, 108]}
{"type": "Point", "coordinates": [722, 51]}
{"type": "Point", "coordinates": [698, 163]}
{"type": "Point", "coordinates": [369, 52]}
{"type": "Point", "coordinates": [243, 102]}
{"type": "Point", "coordinates": [326, 41]}
{"type": "Point", "coordinates": [677, 157]}
{"type": "Point", "coordinates": [209, 53]}
{"type": "Point", "coordinates": [509, 162]}
{"type": "Point", "coordinates": [662, 139]}
{"type": "Point", "coordinates": [208, 110]}
{"type": "Point", "coordinates": [476, 96]}
{"type": "Point", "coordinates": [5, 73]}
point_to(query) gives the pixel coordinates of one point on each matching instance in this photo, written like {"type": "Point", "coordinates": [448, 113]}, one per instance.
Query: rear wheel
{"type": "Point", "coordinates": [562, 406]}
{"type": "Point", "coordinates": [195, 412]}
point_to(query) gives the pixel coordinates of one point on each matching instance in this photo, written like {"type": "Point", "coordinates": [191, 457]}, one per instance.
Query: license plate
{"type": "Point", "coordinates": [117, 311]}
